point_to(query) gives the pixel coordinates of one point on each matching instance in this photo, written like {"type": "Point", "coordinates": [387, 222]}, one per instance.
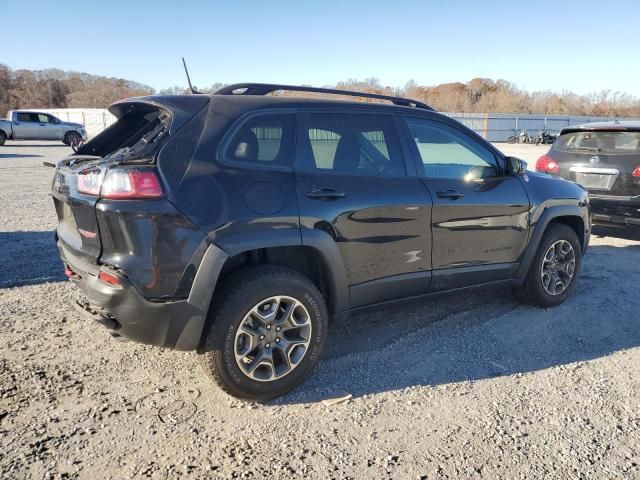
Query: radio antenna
{"type": "Point", "coordinates": [188, 78]}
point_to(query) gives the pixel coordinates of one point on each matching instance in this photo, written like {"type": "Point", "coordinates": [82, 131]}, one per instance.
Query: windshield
{"type": "Point", "coordinates": [605, 142]}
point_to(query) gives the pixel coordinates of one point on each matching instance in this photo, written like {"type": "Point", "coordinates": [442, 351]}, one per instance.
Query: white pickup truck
{"type": "Point", "coordinates": [30, 125]}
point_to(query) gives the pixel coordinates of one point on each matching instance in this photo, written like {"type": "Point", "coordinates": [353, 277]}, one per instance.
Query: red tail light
{"type": "Point", "coordinates": [636, 172]}
{"type": "Point", "coordinates": [108, 278]}
{"type": "Point", "coordinates": [130, 184]}
{"type": "Point", "coordinates": [120, 183]}
{"type": "Point", "coordinates": [547, 164]}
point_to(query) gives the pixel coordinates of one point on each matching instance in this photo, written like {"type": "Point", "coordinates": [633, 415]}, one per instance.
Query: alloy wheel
{"type": "Point", "coordinates": [272, 338]}
{"type": "Point", "coordinates": [558, 267]}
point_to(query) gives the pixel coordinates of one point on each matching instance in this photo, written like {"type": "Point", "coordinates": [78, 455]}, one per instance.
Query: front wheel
{"type": "Point", "coordinates": [3, 138]}
{"type": "Point", "coordinates": [265, 333]}
{"type": "Point", "coordinates": [512, 139]}
{"type": "Point", "coordinates": [554, 269]}
{"type": "Point", "coordinates": [72, 138]}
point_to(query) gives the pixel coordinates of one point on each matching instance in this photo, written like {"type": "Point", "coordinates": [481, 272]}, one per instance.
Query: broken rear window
{"type": "Point", "coordinates": [136, 135]}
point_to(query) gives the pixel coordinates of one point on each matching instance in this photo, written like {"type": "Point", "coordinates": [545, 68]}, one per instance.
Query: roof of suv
{"type": "Point", "coordinates": [259, 101]}
{"type": "Point", "coordinates": [266, 88]}
{"type": "Point", "coordinates": [613, 126]}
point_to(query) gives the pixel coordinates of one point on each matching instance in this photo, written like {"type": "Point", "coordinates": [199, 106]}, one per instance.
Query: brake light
{"type": "Point", "coordinates": [131, 184]}
{"type": "Point", "coordinates": [89, 181]}
{"type": "Point", "coordinates": [109, 279]}
{"type": "Point", "coordinates": [636, 172]}
{"type": "Point", "coordinates": [547, 164]}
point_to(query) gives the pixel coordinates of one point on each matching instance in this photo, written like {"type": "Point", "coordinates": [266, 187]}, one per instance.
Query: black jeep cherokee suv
{"type": "Point", "coordinates": [236, 224]}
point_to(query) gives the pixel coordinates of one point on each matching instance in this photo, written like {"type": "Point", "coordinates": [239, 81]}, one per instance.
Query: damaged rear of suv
{"type": "Point", "coordinates": [132, 253]}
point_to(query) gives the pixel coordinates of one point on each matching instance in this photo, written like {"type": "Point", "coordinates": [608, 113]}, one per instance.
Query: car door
{"type": "Point", "coordinates": [480, 214]}
{"type": "Point", "coordinates": [46, 129]}
{"type": "Point", "coordinates": [352, 183]}
{"type": "Point", "coordinates": [50, 129]}
{"type": "Point", "coordinates": [24, 125]}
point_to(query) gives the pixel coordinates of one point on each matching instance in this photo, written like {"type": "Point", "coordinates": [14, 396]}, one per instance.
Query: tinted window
{"type": "Point", "coordinates": [353, 144]}
{"type": "Point", "coordinates": [608, 142]}
{"type": "Point", "coordinates": [264, 139]}
{"type": "Point", "coordinates": [448, 153]}
{"type": "Point", "coordinates": [26, 117]}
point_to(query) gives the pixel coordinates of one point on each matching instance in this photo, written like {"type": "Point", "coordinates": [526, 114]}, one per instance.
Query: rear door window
{"type": "Point", "coordinates": [26, 117]}
{"type": "Point", "coordinates": [264, 140]}
{"type": "Point", "coordinates": [353, 144]}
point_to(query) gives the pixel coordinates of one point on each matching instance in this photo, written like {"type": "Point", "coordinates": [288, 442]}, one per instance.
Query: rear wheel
{"type": "Point", "coordinates": [554, 270]}
{"type": "Point", "coordinates": [72, 138]}
{"type": "Point", "coordinates": [512, 139]}
{"type": "Point", "coordinates": [265, 334]}
{"type": "Point", "coordinates": [3, 137]}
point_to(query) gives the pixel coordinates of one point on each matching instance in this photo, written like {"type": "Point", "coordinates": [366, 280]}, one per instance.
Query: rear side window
{"type": "Point", "coordinates": [353, 144]}
{"type": "Point", "coordinates": [265, 139]}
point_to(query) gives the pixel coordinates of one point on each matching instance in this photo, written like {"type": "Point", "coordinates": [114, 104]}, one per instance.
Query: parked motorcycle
{"type": "Point", "coordinates": [545, 138]}
{"type": "Point", "coordinates": [522, 137]}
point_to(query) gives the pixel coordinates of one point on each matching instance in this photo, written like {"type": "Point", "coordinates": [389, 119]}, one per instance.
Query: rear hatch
{"type": "Point", "coordinates": [143, 125]}
{"type": "Point", "coordinates": [605, 162]}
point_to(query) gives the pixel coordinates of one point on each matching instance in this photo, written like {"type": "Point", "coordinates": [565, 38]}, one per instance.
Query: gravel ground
{"type": "Point", "coordinates": [472, 385]}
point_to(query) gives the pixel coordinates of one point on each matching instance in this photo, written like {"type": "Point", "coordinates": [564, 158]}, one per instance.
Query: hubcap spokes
{"type": "Point", "coordinates": [558, 267]}
{"type": "Point", "coordinates": [272, 338]}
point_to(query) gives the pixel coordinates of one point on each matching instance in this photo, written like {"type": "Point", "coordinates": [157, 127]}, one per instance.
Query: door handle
{"type": "Point", "coordinates": [325, 194]}
{"type": "Point", "coordinates": [452, 194]}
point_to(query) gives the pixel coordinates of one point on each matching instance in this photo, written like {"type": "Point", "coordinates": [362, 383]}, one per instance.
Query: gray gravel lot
{"type": "Point", "coordinates": [472, 385]}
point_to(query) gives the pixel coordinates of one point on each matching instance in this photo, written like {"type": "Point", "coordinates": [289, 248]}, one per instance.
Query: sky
{"type": "Point", "coordinates": [581, 46]}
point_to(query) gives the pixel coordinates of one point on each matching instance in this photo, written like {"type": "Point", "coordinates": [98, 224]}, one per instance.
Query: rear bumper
{"type": "Point", "coordinates": [620, 211]}
{"type": "Point", "coordinates": [126, 313]}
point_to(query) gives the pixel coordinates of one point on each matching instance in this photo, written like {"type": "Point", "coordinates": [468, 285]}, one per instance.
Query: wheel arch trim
{"type": "Point", "coordinates": [539, 228]}
{"type": "Point", "coordinates": [217, 254]}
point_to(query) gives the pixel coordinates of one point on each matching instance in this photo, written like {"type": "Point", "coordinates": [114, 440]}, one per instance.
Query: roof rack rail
{"type": "Point", "coordinates": [265, 88]}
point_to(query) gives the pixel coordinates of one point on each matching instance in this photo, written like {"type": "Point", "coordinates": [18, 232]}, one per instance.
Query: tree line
{"type": "Point", "coordinates": [54, 88]}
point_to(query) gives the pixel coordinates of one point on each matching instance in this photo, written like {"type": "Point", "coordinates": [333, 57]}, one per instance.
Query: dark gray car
{"type": "Point", "coordinates": [605, 159]}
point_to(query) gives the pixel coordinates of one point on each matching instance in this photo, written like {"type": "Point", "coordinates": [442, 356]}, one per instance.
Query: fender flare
{"type": "Point", "coordinates": [217, 254]}
{"type": "Point", "coordinates": [540, 226]}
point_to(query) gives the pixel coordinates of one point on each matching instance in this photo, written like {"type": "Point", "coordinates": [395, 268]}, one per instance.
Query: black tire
{"type": "Point", "coordinates": [242, 293]}
{"type": "Point", "coordinates": [533, 290]}
{"type": "Point", "coordinates": [512, 139]}
{"type": "Point", "coordinates": [71, 137]}
{"type": "Point", "coordinates": [3, 138]}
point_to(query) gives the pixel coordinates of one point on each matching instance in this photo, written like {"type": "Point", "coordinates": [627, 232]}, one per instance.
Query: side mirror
{"type": "Point", "coordinates": [515, 166]}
